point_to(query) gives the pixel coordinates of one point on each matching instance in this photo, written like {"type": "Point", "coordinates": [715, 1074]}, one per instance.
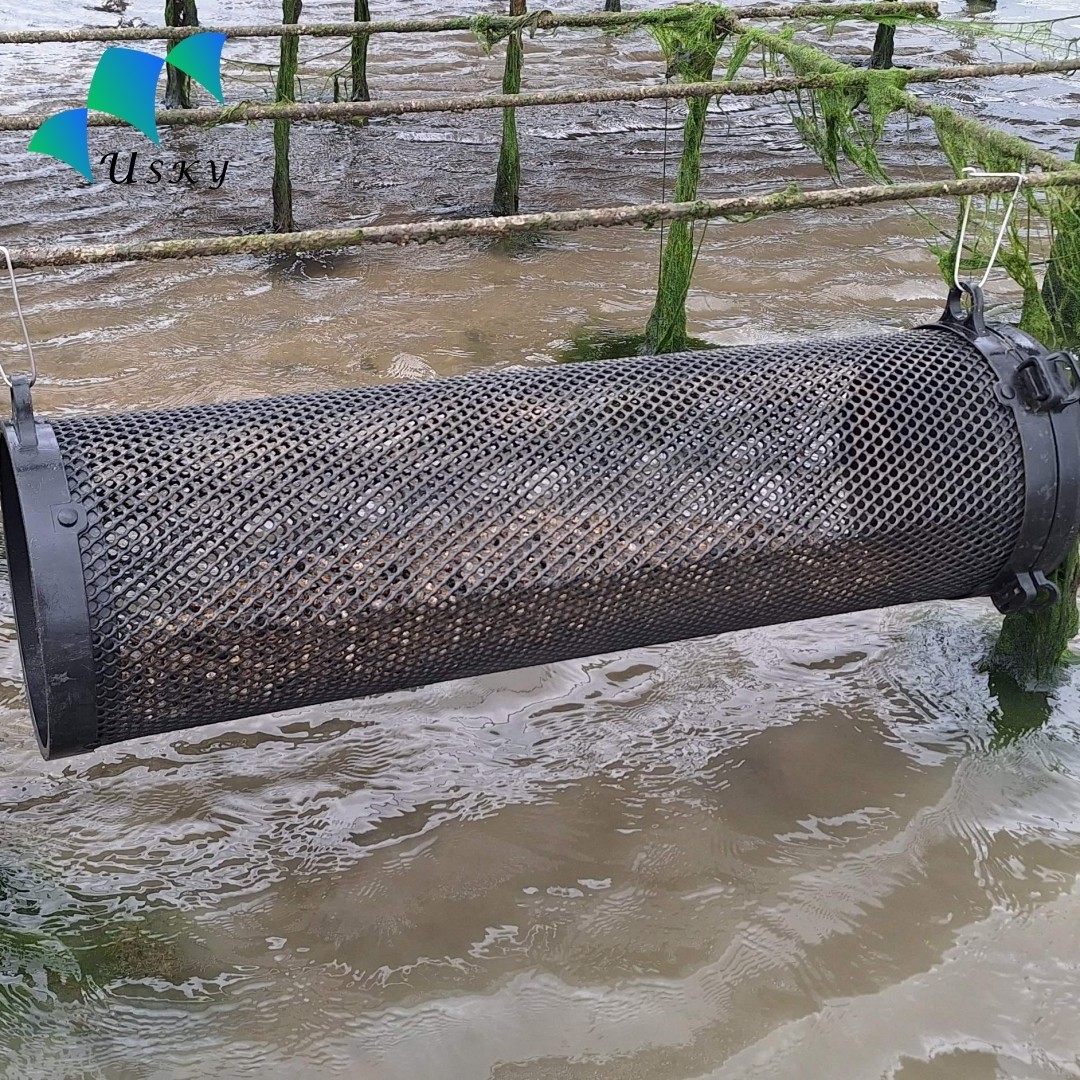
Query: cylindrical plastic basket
{"type": "Point", "coordinates": [194, 565]}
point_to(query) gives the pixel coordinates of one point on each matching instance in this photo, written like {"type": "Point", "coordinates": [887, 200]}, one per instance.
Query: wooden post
{"type": "Point", "coordinates": [358, 55]}
{"type": "Point", "coordinates": [508, 178]}
{"type": "Point", "coordinates": [884, 44]}
{"type": "Point", "coordinates": [286, 91]}
{"type": "Point", "coordinates": [613, 5]}
{"type": "Point", "coordinates": [177, 84]}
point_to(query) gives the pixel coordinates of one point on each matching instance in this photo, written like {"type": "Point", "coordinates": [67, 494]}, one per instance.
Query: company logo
{"type": "Point", "coordinates": [125, 86]}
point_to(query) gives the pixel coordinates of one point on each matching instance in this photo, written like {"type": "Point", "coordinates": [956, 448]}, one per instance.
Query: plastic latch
{"type": "Point", "coordinates": [22, 413]}
{"type": "Point", "coordinates": [1027, 592]}
{"type": "Point", "coordinates": [1049, 383]}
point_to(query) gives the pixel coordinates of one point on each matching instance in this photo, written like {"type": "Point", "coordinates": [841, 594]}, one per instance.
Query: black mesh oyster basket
{"type": "Point", "coordinates": [187, 566]}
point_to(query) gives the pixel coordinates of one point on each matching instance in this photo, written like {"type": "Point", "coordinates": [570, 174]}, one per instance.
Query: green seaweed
{"type": "Point", "coordinates": [51, 940]}
{"type": "Point", "coordinates": [839, 122]}
{"type": "Point", "coordinates": [508, 176]}
{"type": "Point", "coordinates": [131, 952]}
{"type": "Point", "coordinates": [1029, 37]}
{"type": "Point", "coordinates": [690, 48]}
{"type": "Point", "coordinates": [1061, 285]}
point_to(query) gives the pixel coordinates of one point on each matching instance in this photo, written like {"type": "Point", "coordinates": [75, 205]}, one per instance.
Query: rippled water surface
{"type": "Point", "coordinates": [820, 850]}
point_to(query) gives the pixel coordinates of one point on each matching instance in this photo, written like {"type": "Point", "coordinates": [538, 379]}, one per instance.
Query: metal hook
{"type": "Point", "coordinates": [1001, 232]}
{"type": "Point", "coordinates": [22, 322]}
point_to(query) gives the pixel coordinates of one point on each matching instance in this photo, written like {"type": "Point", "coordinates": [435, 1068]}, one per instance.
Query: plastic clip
{"type": "Point", "coordinates": [970, 321]}
{"type": "Point", "coordinates": [1049, 383]}
{"type": "Point", "coordinates": [1026, 593]}
{"type": "Point", "coordinates": [22, 413]}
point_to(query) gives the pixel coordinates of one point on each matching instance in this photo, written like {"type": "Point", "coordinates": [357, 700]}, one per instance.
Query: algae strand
{"type": "Point", "coordinates": [690, 49]}
{"type": "Point", "coordinates": [1031, 648]}
{"type": "Point", "coordinates": [508, 176]}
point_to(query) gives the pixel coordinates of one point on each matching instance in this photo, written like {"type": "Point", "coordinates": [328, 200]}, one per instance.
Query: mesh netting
{"type": "Point", "coordinates": [261, 555]}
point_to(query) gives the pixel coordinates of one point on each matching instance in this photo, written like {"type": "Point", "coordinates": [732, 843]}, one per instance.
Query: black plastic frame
{"type": "Point", "coordinates": [1042, 389]}
{"type": "Point", "coordinates": [43, 526]}
{"type": "Point", "coordinates": [41, 537]}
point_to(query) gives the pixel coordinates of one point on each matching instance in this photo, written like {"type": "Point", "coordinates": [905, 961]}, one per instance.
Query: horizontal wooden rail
{"type": "Point", "coordinates": [544, 20]}
{"type": "Point", "coordinates": [351, 110]}
{"type": "Point", "coordinates": [421, 232]}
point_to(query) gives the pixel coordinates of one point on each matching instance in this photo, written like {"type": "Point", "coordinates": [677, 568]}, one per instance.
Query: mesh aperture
{"type": "Point", "coordinates": [261, 555]}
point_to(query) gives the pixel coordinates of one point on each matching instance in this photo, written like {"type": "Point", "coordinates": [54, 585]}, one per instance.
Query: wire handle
{"type": "Point", "coordinates": [972, 172]}
{"type": "Point", "coordinates": [22, 322]}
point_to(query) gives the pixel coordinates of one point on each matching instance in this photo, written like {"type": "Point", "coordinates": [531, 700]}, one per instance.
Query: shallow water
{"type": "Point", "coordinates": [819, 850]}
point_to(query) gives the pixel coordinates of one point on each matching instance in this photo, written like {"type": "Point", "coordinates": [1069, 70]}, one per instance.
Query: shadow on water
{"type": "Point", "coordinates": [1018, 711]}
{"type": "Point", "coordinates": [609, 345]}
{"type": "Point", "coordinates": [67, 945]}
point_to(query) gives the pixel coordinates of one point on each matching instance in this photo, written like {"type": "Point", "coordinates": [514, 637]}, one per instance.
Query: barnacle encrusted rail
{"type": "Point", "coordinates": [478, 24]}
{"type": "Point", "coordinates": [742, 208]}
{"type": "Point", "coordinates": [847, 78]}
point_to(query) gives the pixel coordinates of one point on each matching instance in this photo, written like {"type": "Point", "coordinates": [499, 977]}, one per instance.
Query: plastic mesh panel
{"type": "Point", "coordinates": [266, 554]}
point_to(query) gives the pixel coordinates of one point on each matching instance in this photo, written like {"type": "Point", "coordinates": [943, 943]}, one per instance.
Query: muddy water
{"type": "Point", "coordinates": [814, 851]}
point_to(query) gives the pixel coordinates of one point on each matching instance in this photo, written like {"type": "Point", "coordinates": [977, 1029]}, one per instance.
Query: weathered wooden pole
{"type": "Point", "coordinates": [423, 232]}
{"type": "Point", "coordinates": [358, 54]}
{"type": "Point", "coordinates": [545, 20]}
{"type": "Point", "coordinates": [613, 5]}
{"type": "Point", "coordinates": [508, 177]}
{"type": "Point", "coordinates": [694, 59]}
{"type": "Point", "coordinates": [177, 84]}
{"type": "Point", "coordinates": [286, 91]}
{"type": "Point", "coordinates": [884, 44]}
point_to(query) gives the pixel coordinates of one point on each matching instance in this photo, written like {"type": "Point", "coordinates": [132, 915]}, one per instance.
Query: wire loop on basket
{"type": "Point", "coordinates": [978, 173]}
{"type": "Point", "coordinates": [22, 322]}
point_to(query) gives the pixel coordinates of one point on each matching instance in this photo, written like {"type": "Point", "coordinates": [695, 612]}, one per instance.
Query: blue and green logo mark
{"type": "Point", "coordinates": [125, 86]}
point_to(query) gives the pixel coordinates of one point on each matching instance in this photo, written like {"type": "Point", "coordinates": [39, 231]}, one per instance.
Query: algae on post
{"type": "Point", "coordinates": [508, 175]}
{"type": "Point", "coordinates": [1031, 648]}
{"type": "Point", "coordinates": [690, 48]}
{"type": "Point", "coordinates": [1061, 286]}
